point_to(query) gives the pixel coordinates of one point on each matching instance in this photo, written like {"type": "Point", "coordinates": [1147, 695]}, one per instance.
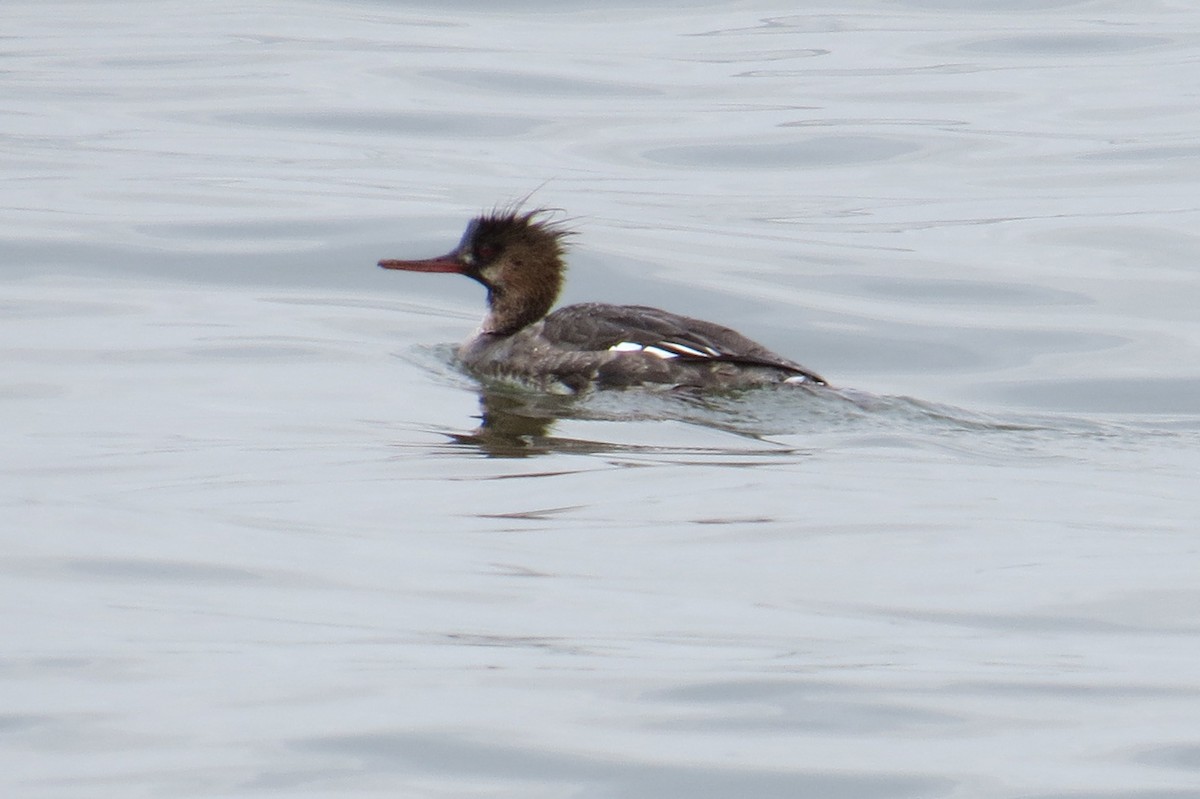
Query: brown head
{"type": "Point", "coordinates": [516, 255]}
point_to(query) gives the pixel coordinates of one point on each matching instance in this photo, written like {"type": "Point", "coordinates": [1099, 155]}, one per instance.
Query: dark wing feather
{"type": "Point", "coordinates": [597, 326]}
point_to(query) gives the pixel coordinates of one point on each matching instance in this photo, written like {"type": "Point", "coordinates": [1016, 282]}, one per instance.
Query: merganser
{"type": "Point", "coordinates": [518, 257]}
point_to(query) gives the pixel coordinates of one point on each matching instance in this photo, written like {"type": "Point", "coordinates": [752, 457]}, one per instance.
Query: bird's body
{"type": "Point", "coordinates": [518, 258]}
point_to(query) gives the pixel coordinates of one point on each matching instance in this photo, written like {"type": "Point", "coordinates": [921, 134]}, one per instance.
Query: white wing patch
{"type": "Point", "coordinates": [626, 346]}
{"type": "Point", "coordinates": [688, 349]}
{"type": "Point", "coordinates": [666, 349]}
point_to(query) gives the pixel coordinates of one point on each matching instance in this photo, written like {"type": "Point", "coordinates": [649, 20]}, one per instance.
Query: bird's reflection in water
{"type": "Point", "coordinates": [519, 424]}
{"type": "Point", "coordinates": [514, 425]}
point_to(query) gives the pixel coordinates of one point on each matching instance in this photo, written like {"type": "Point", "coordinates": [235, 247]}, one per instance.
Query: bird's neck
{"type": "Point", "coordinates": [511, 308]}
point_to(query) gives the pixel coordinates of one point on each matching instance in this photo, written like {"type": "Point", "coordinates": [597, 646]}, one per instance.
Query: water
{"type": "Point", "coordinates": [263, 539]}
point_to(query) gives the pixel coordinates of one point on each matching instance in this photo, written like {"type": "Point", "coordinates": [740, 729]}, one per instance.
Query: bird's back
{"type": "Point", "coordinates": [626, 345]}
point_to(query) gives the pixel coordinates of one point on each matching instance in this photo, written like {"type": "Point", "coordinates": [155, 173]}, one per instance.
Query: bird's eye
{"type": "Point", "coordinates": [486, 252]}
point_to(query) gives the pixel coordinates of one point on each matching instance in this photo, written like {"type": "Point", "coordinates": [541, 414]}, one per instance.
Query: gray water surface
{"type": "Point", "coordinates": [263, 538]}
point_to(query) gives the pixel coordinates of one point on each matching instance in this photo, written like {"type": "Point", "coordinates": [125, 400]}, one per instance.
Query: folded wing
{"type": "Point", "coordinates": [633, 328]}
